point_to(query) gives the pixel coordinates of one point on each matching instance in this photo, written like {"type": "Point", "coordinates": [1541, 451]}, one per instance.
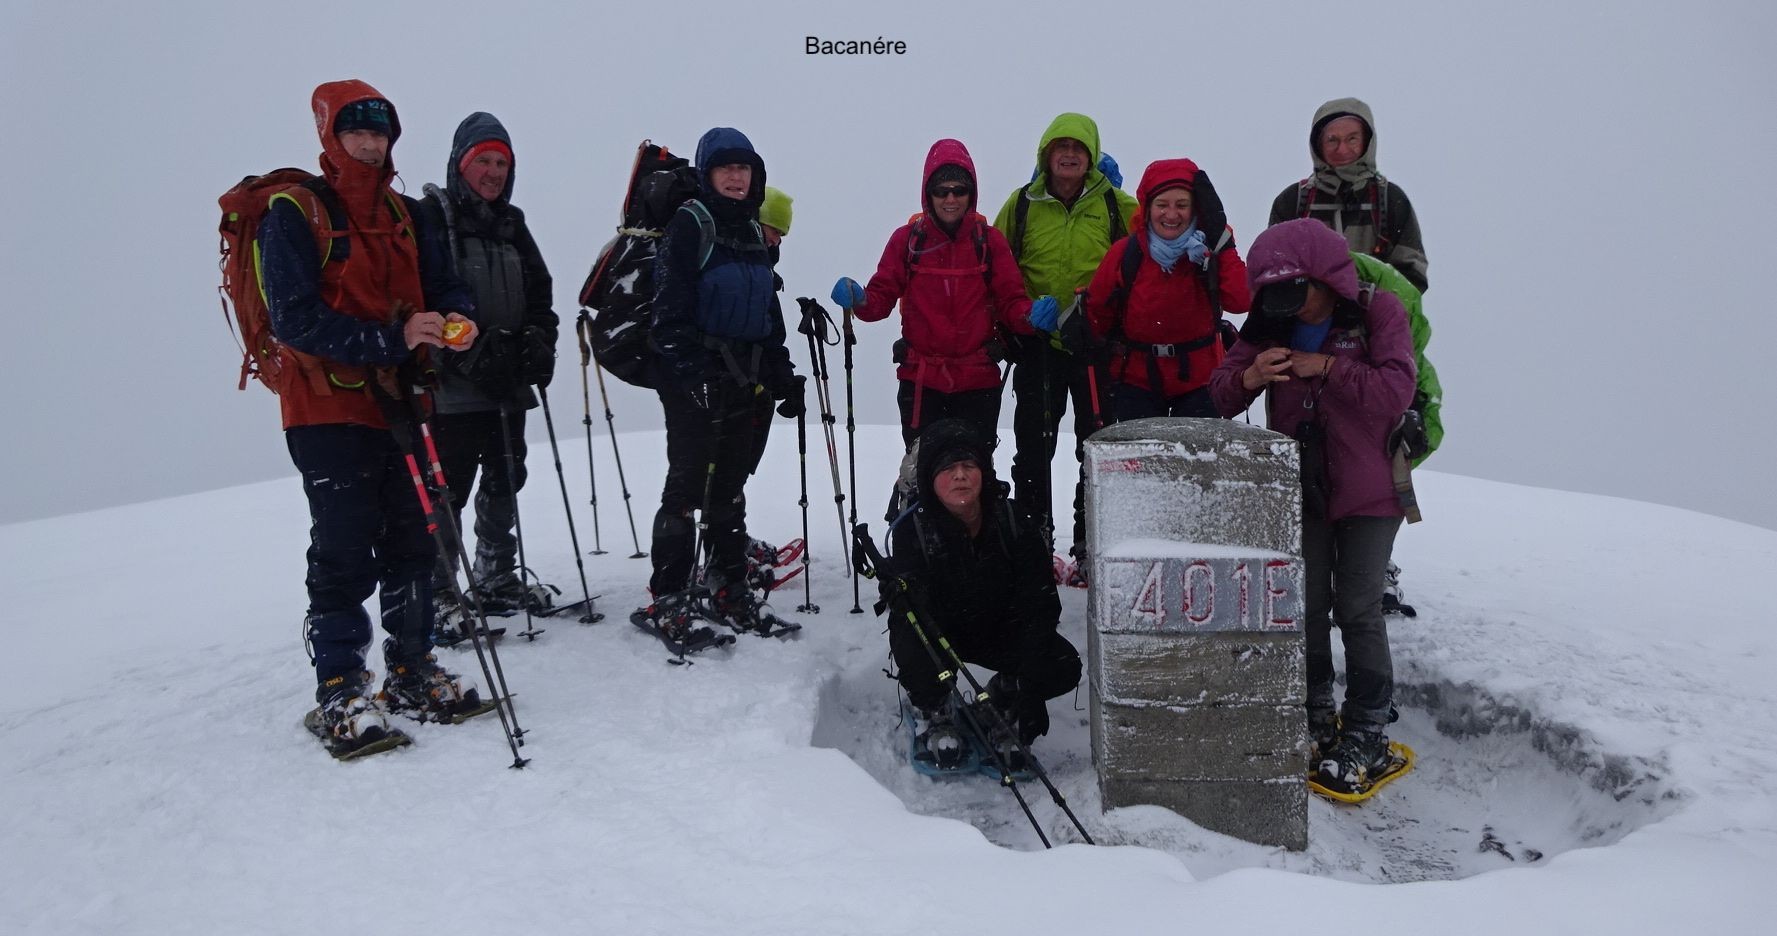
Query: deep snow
{"type": "Point", "coordinates": [1587, 685]}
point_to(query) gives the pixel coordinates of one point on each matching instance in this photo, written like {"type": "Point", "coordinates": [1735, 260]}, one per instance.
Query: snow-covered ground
{"type": "Point", "coordinates": [1587, 684]}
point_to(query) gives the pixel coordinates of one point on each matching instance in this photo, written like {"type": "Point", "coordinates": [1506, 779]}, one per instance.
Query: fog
{"type": "Point", "coordinates": [1590, 178]}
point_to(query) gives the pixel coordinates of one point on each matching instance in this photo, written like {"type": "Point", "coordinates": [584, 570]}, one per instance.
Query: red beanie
{"type": "Point", "coordinates": [482, 147]}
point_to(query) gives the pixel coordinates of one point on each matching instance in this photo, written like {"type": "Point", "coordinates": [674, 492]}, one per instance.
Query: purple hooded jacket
{"type": "Point", "coordinates": [1371, 381]}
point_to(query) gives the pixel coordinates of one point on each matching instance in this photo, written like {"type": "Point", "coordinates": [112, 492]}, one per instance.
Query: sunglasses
{"type": "Point", "coordinates": [951, 191]}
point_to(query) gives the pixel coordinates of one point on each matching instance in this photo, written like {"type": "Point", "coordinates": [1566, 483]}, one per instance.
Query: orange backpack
{"type": "Point", "coordinates": [263, 356]}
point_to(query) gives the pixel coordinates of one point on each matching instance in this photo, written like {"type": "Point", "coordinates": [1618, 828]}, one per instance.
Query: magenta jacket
{"type": "Point", "coordinates": [1371, 382]}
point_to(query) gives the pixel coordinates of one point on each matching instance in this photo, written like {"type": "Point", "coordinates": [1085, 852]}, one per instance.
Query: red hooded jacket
{"type": "Point", "coordinates": [1164, 308]}
{"type": "Point", "coordinates": [381, 269]}
{"type": "Point", "coordinates": [949, 306]}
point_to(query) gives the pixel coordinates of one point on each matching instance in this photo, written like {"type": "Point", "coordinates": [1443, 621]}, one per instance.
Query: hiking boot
{"type": "Point", "coordinates": [939, 740]}
{"type": "Point", "coordinates": [1356, 759]}
{"type": "Point", "coordinates": [509, 594]}
{"type": "Point", "coordinates": [427, 691]}
{"type": "Point", "coordinates": [1323, 733]}
{"type": "Point", "coordinates": [349, 714]}
{"type": "Point", "coordinates": [739, 609]}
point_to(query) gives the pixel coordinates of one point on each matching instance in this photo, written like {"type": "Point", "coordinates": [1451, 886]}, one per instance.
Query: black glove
{"type": "Point", "coordinates": [493, 363]}
{"type": "Point", "coordinates": [795, 401]}
{"type": "Point", "coordinates": [537, 356]}
{"type": "Point", "coordinates": [1212, 219]}
{"type": "Point", "coordinates": [1074, 333]}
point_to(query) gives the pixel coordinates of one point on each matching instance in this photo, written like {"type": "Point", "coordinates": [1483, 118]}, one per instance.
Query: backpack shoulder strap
{"type": "Point", "coordinates": [1304, 196]}
{"type": "Point", "coordinates": [1127, 271]}
{"type": "Point", "coordinates": [706, 229]}
{"type": "Point", "coordinates": [931, 545]}
{"type": "Point", "coordinates": [916, 242]}
{"type": "Point", "coordinates": [312, 197]}
{"type": "Point", "coordinates": [1019, 216]}
{"type": "Point", "coordinates": [983, 254]}
{"type": "Point", "coordinates": [1114, 212]}
{"type": "Point", "coordinates": [445, 211]}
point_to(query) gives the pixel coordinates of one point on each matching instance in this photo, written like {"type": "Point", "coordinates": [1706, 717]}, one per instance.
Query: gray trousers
{"type": "Point", "coordinates": [1344, 561]}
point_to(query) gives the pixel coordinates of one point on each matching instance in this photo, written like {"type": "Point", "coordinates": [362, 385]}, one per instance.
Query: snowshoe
{"type": "Point", "coordinates": [740, 611]}
{"type": "Point", "coordinates": [451, 626]}
{"type": "Point", "coordinates": [347, 721]}
{"type": "Point", "coordinates": [426, 692]}
{"type": "Point", "coordinates": [937, 745]}
{"type": "Point", "coordinates": [510, 595]}
{"type": "Point", "coordinates": [764, 562]}
{"type": "Point", "coordinates": [1359, 764]}
{"type": "Point", "coordinates": [1010, 755]}
{"type": "Point", "coordinates": [1393, 599]}
{"type": "Point", "coordinates": [677, 621]}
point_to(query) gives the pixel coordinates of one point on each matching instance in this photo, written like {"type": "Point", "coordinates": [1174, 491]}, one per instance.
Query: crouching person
{"type": "Point", "coordinates": [981, 573]}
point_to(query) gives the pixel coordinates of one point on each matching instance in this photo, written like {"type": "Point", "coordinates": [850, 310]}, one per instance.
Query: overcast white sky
{"type": "Point", "coordinates": [1592, 180]}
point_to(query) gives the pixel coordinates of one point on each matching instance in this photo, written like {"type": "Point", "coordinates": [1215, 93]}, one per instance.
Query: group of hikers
{"type": "Point", "coordinates": [1088, 295]}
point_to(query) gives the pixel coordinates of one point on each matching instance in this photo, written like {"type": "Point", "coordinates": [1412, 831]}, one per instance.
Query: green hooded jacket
{"type": "Point", "coordinates": [1063, 246]}
{"type": "Point", "coordinates": [1429, 399]}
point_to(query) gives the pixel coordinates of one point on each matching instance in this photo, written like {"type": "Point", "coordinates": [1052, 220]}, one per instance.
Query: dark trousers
{"type": "Point", "coordinates": [1132, 402]}
{"type": "Point", "coordinates": [696, 437]}
{"type": "Point", "coordinates": [470, 444]}
{"type": "Point", "coordinates": [981, 408]}
{"type": "Point", "coordinates": [366, 529]}
{"type": "Point", "coordinates": [1050, 669]}
{"type": "Point", "coordinates": [1344, 561]}
{"type": "Point", "coordinates": [1043, 380]}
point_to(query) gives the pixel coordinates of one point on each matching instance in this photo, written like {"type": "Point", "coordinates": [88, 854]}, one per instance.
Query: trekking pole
{"type": "Point", "coordinates": [591, 616]}
{"type": "Point", "coordinates": [816, 324]}
{"type": "Point", "coordinates": [440, 523]}
{"type": "Point", "coordinates": [807, 606]}
{"type": "Point", "coordinates": [851, 447]}
{"type": "Point", "coordinates": [931, 637]}
{"type": "Point", "coordinates": [622, 483]}
{"type": "Point", "coordinates": [581, 326]}
{"type": "Point", "coordinates": [530, 631]}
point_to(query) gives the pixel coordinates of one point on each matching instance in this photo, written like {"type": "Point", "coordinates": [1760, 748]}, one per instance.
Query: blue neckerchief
{"type": "Point", "coordinates": [1167, 252]}
{"type": "Point", "coordinates": [1310, 337]}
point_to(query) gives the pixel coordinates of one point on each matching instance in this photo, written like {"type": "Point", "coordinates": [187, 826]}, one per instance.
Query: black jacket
{"type": "Point", "coordinates": [494, 253]}
{"type": "Point", "coordinates": [999, 585]}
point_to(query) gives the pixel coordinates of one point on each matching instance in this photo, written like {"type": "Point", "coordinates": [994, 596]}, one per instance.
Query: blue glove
{"type": "Point", "coordinates": [1044, 313]}
{"type": "Point", "coordinates": [847, 294]}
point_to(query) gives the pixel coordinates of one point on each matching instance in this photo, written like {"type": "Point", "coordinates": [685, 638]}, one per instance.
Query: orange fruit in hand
{"type": "Point", "coordinates": [454, 331]}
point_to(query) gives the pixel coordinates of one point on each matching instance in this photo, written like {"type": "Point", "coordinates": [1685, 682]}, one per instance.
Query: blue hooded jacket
{"type": "Point", "coordinates": [726, 302]}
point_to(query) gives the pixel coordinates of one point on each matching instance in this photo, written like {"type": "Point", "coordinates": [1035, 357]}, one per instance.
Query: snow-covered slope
{"type": "Point", "coordinates": [1588, 684]}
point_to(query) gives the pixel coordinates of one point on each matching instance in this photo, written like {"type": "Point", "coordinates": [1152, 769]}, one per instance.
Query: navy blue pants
{"type": "Point", "coordinates": [696, 438]}
{"type": "Point", "coordinates": [471, 443]}
{"type": "Point", "coordinates": [366, 531]}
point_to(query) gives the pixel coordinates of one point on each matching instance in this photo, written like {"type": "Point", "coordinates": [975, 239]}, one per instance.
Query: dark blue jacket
{"type": "Point", "coordinates": [727, 303]}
